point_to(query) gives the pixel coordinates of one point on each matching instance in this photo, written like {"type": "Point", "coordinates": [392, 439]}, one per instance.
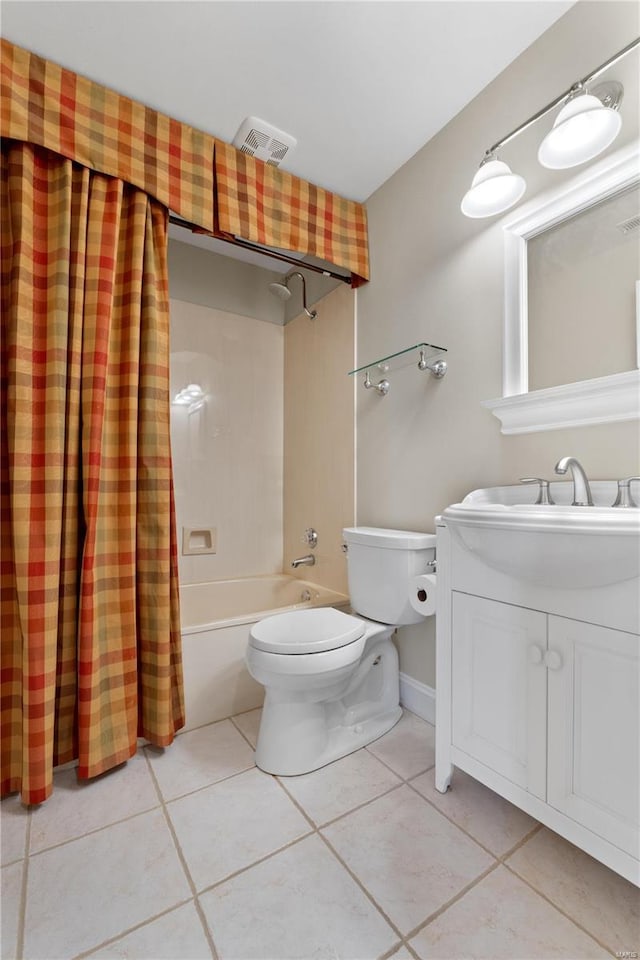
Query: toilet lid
{"type": "Point", "coordinates": [306, 631]}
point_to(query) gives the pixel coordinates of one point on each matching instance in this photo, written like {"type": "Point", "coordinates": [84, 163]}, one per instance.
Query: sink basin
{"type": "Point", "coordinates": [552, 545]}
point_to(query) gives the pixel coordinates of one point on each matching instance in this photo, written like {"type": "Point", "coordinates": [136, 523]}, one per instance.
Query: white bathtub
{"type": "Point", "coordinates": [216, 619]}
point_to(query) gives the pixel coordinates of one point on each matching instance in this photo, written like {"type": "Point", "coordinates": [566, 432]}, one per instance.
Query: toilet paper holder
{"type": "Point", "coordinates": [422, 593]}
{"type": "Point", "coordinates": [432, 565]}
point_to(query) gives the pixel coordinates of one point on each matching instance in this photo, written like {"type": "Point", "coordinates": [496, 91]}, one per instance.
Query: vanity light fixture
{"type": "Point", "coordinates": [586, 125]}
{"type": "Point", "coordinates": [493, 189]}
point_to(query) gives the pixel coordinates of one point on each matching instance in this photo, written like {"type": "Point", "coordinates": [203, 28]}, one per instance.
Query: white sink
{"type": "Point", "coordinates": [556, 545]}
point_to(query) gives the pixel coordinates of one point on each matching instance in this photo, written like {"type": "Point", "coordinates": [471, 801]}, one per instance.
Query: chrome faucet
{"type": "Point", "coordinates": [581, 488]}
{"type": "Point", "coordinates": [308, 561]}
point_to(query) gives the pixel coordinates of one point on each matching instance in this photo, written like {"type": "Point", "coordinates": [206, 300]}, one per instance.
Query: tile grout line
{"type": "Point", "coordinates": [157, 916]}
{"type": "Point", "coordinates": [90, 833]}
{"type": "Point", "coordinates": [206, 786]}
{"type": "Point", "coordinates": [495, 856]}
{"type": "Point", "coordinates": [129, 930]}
{"type": "Point", "coordinates": [318, 833]}
{"type": "Point", "coordinates": [498, 860]}
{"type": "Point", "coordinates": [402, 782]}
{"type": "Point", "coordinates": [255, 863]}
{"type": "Point", "coordinates": [414, 953]}
{"type": "Point", "coordinates": [390, 952]}
{"type": "Point", "coordinates": [183, 862]}
{"type": "Point", "coordinates": [22, 913]}
{"type": "Point", "coordinates": [314, 829]}
{"type": "Point", "coordinates": [384, 763]}
{"type": "Point", "coordinates": [528, 836]}
{"type": "Point", "coordinates": [361, 806]}
{"type": "Point", "coordinates": [298, 806]}
{"type": "Point", "coordinates": [359, 883]}
{"type": "Point", "coordinates": [449, 903]}
{"type": "Point", "coordinates": [501, 860]}
{"type": "Point", "coordinates": [242, 733]}
{"type": "Point", "coordinates": [564, 913]}
{"type": "Point", "coordinates": [411, 950]}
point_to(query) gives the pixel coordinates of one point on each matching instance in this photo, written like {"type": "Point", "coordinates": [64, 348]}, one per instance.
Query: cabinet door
{"type": "Point", "coordinates": [500, 688]}
{"type": "Point", "coordinates": [593, 728]}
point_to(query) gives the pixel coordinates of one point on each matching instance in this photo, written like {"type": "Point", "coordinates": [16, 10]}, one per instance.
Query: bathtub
{"type": "Point", "coordinates": [216, 620]}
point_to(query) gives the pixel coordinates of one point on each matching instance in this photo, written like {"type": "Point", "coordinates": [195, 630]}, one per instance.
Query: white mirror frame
{"type": "Point", "coordinates": [601, 400]}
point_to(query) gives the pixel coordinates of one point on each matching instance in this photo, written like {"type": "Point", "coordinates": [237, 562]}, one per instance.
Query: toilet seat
{"type": "Point", "coordinates": [310, 631]}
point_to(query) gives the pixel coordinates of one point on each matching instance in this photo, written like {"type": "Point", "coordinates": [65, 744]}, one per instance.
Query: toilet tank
{"type": "Point", "coordinates": [380, 565]}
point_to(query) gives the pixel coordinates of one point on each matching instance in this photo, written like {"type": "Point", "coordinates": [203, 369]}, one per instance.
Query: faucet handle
{"type": "Point", "coordinates": [624, 498]}
{"type": "Point", "coordinates": [310, 537]}
{"type": "Point", "coordinates": [543, 493]}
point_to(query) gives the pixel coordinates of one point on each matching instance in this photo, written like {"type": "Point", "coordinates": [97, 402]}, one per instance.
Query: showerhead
{"type": "Point", "coordinates": [280, 290]}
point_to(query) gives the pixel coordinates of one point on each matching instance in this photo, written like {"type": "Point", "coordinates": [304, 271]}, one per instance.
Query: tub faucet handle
{"type": "Point", "coordinates": [543, 492]}
{"type": "Point", "coordinates": [311, 537]}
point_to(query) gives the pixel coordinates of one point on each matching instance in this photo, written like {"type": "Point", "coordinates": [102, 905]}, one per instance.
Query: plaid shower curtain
{"type": "Point", "coordinates": [91, 654]}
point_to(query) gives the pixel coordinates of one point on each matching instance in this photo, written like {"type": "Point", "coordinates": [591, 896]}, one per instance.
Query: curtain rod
{"type": "Point", "coordinates": [572, 89]}
{"type": "Point", "coordinates": [255, 248]}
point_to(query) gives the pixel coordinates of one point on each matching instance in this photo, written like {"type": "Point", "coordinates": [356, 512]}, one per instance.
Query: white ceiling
{"type": "Point", "coordinates": [361, 85]}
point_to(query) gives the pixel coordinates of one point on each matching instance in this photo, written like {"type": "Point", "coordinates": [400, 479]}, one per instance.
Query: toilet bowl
{"type": "Point", "coordinates": [331, 679]}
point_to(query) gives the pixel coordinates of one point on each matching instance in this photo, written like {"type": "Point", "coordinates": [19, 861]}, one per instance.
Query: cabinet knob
{"type": "Point", "coordinates": [552, 660]}
{"type": "Point", "coordinates": [535, 654]}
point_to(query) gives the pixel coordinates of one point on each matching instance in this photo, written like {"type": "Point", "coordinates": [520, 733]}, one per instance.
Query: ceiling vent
{"type": "Point", "coordinates": [262, 140]}
{"type": "Point", "coordinates": [628, 226]}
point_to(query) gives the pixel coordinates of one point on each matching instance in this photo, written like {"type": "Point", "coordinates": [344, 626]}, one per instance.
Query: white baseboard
{"type": "Point", "coordinates": [418, 698]}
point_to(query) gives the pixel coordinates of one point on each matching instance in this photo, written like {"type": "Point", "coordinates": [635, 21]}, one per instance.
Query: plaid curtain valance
{"type": "Point", "coordinates": [266, 205]}
{"type": "Point", "coordinates": [55, 108]}
{"type": "Point", "coordinates": [207, 182]}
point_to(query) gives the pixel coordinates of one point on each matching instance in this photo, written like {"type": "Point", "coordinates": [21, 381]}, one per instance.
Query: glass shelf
{"type": "Point", "coordinates": [403, 358]}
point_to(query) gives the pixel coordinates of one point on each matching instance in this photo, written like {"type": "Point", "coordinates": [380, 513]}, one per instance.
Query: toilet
{"type": "Point", "coordinates": [331, 678]}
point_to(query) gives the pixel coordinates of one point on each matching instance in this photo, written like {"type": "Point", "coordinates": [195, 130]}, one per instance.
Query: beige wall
{"type": "Point", "coordinates": [319, 435]}
{"type": "Point", "coordinates": [200, 276]}
{"type": "Point", "coordinates": [438, 276]}
{"type": "Point", "coordinates": [317, 286]}
{"type": "Point", "coordinates": [227, 456]}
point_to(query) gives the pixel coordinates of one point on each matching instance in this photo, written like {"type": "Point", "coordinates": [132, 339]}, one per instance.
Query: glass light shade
{"type": "Point", "coordinates": [493, 189]}
{"type": "Point", "coordinates": [583, 129]}
{"type": "Point", "coordinates": [188, 396]}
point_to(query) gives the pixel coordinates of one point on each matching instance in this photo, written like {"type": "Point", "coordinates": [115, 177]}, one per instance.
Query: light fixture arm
{"type": "Point", "coordinates": [572, 91]}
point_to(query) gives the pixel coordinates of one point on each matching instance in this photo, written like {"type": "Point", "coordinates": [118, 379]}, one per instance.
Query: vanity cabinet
{"type": "Point", "coordinates": [538, 705]}
{"type": "Point", "coordinates": [551, 705]}
{"type": "Point", "coordinates": [499, 694]}
{"type": "Point", "coordinates": [594, 728]}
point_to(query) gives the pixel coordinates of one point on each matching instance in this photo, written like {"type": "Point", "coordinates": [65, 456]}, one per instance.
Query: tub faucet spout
{"type": "Point", "coordinates": [581, 488]}
{"type": "Point", "coordinates": [307, 561]}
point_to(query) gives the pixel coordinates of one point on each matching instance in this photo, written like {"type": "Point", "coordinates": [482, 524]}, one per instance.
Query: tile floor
{"type": "Point", "coordinates": [192, 852]}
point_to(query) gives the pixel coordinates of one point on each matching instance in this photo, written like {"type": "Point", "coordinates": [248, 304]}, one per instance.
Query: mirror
{"type": "Point", "coordinates": [582, 276]}
{"type": "Point", "coordinates": [570, 351]}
